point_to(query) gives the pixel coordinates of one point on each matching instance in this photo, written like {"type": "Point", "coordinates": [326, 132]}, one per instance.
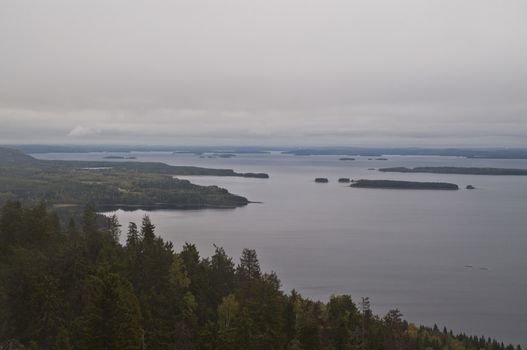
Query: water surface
{"type": "Point", "coordinates": [406, 249]}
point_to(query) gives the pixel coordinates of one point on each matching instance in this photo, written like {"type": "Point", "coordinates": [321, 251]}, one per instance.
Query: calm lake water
{"type": "Point", "coordinates": [406, 249]}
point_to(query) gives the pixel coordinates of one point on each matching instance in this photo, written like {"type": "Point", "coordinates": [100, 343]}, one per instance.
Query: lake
{"type": "Point", "coordinates": [455, 258]}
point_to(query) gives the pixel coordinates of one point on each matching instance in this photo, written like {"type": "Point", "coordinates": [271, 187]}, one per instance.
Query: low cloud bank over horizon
{"type": "Point", "coordinates": [335, 72]}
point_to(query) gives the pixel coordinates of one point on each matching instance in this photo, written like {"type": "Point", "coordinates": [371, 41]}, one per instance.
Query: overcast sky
{"type": "Point", "coordinates": [289, 72]}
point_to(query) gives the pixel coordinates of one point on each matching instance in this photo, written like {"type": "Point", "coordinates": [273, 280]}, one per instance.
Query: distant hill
{"type": "Point", "coordinates": [9, 156]}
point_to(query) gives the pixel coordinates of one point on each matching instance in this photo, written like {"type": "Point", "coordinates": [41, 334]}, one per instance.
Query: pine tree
{"type": "Point", "coordinates": [132, 238]}
{"type": "Point", "coordinates": [113, 227]}
{"type": "Point", "coordinates": [147, 230]}
{"type": "Point", "coordinates": [249, 267]}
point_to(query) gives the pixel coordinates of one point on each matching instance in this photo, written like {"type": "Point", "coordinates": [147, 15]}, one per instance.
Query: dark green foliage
{"type": "Point", "coordinates": [249, 268]}
{"type": "Point", "coordinates": [147, 230]}
{"type": "Point", "coordinates": [132, 238]}
{"type": "Point", "coordinates": [80, 289]}
{"type": "Point", "coordinates": [110, 316]}
{"type": "Point", "coordinates": [343, 322]}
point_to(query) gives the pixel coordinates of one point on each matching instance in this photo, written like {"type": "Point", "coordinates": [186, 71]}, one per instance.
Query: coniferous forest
{"type": "Point", "coordinates": [74, 286]}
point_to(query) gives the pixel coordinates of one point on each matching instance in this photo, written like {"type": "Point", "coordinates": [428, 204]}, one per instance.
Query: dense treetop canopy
{"type": "Point", "coordinates": [75, 287]}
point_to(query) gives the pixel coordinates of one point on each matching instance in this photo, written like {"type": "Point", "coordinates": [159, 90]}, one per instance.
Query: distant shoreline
{"type": "Point", "coordinates": [345, 151]}
{"type": "Point", "coordinates": [457, 170]}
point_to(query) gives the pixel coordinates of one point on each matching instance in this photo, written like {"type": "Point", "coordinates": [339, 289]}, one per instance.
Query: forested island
{"type": "Point", "coordinates": [76, 287]}
{"type": "Point", "coordinates": [224, 155]}
{"type": "Point", "coordinates": [110, 184]}
{"type": "Point", "coordinates": [457, 170]}
{"type": "Point", "coordinates": [411, 185]}
{"type": "Point", "coordinates": [119, 157]}
{"type": "Point", "coordinates": [255, 175]}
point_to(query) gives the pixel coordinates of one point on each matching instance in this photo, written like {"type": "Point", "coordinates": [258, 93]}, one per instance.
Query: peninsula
{"type": "Point", "coordinates": [110, 184]}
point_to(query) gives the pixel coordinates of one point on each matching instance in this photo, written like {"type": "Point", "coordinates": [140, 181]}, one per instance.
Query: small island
{"type": "Point", "coordinates": [321, 180]}
{"type": "Point", "coordinates": [224, 155]}
{"type": "Point", "coordinates": [119, 157]}
{"type": "Point", "coordinates": [344, 180]}
{"type": "Point", "coordinates": [457, 170]}
{"type": "Point", "coordinates": [411, 185]}
{"type": "Point", "coordinates": [381, 158]}
{"type": "Point", "coordinates": [255, 175]}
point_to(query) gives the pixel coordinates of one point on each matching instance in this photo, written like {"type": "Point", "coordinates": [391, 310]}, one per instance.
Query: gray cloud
{"type": "Point", "coordinates": [438, 72]}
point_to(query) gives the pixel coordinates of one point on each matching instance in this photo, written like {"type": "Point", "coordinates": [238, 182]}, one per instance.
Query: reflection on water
{"type": "Point", "coordinates": [455, 258]}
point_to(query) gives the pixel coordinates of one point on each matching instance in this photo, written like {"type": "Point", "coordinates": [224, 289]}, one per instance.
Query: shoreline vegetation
{"type": "Point", "coordinates": [412, 185]}
{"type": "Point", "coordinates": [457, 170]}
{"type": "Point", "coordinates": [111, 184]}
{"type": "Point", "coordinates": [76, 286]}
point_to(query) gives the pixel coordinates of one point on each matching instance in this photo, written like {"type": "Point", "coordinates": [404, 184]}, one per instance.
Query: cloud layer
{"type": "Point", "coordinates": [438, 72]}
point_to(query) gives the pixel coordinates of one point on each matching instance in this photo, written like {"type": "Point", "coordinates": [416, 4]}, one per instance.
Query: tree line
{"type": "Point", "coordinates": [75, 286]}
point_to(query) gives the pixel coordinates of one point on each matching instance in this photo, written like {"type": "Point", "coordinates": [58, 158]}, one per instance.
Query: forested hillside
{"type": "Point", "coordinates": [76, 287]}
